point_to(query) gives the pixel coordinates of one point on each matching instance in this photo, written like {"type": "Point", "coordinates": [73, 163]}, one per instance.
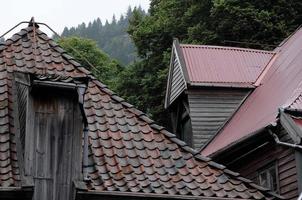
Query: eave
{"type": "Point", "coordinates": [263, 135]}
{"type": "Point", "coordinates": [248, 142]}
{"type": "Point", "coordinates": [222, 85]}
{"type": "Point", "coordinates": [95, 195]}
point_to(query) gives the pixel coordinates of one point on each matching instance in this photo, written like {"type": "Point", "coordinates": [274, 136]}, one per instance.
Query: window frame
{"type": "Point", "coordinates": [266, 169]}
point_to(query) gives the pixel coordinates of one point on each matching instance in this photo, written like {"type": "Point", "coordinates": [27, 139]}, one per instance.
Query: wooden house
{"type": "Point", "coordinates": [64, 135]}
{"type": "Point", "coordinates": [242, 108]}
{"type": "Point", "coordinates": [207, 84]}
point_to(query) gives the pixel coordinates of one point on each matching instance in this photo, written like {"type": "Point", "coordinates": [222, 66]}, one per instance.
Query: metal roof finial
{"type": "Point", "coordinates": [33, 23]}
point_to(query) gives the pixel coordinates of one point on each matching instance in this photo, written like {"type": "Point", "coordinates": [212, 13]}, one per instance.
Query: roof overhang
{"type": "Point", "coordinates": [246, 144]}
{"type": "Point", "coordinates": [262, 136]}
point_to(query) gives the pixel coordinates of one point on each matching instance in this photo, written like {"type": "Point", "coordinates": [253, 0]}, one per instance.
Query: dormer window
{"type": "Point", "coordinates": [51, 131]}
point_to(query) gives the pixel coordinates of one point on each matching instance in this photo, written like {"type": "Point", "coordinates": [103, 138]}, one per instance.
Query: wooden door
{"type": "Point", "coordinates": [54, 158]}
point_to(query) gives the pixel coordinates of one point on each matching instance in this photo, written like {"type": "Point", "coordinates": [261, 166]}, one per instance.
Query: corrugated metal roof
{"type": "Point", "coordinates": [279, 89]}
{"type": "Point", "coordinates": [215, 64]}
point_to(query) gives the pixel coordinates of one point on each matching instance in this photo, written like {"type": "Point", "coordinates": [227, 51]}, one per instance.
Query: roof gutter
{"type": "Point", "coordinates": [223, 85]}
{"type": "Point", "coordinates": [81, 195]}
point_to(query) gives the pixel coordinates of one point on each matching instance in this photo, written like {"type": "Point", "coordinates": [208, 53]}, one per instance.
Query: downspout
{"type": "Point", "coordinates": [295, 146]}
{"type": "Point", "coordinates": [85, 154]}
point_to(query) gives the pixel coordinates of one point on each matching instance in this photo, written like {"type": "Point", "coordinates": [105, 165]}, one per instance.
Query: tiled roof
{"type": "Point", "coordinates": [216, 64]}
{"type": "Point", "coordinates": [128, 151]}
{"type": "Point", "coordinates": [280, 87]}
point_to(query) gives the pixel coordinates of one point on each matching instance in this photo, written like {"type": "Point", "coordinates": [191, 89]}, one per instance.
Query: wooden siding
{"type": "Point", "coordinates": [178, 84]}
{"type": "Point", "coordinates": [283, 157]}
{"type": "Point", "coordinates": [210, 109]}
{"type": "Point", "coordinates": [53, 144]}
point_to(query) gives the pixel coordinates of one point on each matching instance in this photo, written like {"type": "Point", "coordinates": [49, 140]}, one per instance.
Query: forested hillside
{"type": "Point", "coordinates": [199, 22]}
{"type": "Point", "coordinates": [111, 37]}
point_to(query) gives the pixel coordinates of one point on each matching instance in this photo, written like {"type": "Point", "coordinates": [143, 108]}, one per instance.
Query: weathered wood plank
{"type": "Point", "coordinates": [214, 106]}
{"type": "Point", "coordinates": [56, 135]}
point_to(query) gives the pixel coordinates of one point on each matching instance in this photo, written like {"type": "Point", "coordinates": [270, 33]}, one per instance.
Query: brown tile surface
{"type": "Point", "coordinates": [128, 152]}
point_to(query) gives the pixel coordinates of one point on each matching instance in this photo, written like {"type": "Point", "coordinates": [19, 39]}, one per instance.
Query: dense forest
{"type": "Point", "coordinates": [111, 37]}
{"type": "Point", "coordinates": [247, 23]}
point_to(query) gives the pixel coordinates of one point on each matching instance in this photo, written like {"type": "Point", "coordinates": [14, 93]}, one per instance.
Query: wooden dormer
{"type": "Point", "coordinates": [51, 131]}
{"type": "Point", "coordinates": [207, 84]}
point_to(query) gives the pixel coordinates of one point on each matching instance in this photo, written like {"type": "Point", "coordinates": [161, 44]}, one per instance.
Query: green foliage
{"type": "Point", "coordinates": [110, 37]}
{"type": "Point", "coordinates": [202, 22]}
{"type": "Point", "coordinates": [94, 59]}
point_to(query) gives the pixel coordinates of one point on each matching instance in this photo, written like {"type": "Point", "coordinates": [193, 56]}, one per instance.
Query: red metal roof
{"type": "Point", "coordinates": [214, 64]}
{"type": "Point", "coordinates": [279, 88]}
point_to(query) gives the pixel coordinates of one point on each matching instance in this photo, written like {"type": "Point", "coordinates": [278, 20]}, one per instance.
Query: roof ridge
{"type": "Point", "coordinates": [226, 48]}
{"type": "Point", "coordinates": [285, 41]}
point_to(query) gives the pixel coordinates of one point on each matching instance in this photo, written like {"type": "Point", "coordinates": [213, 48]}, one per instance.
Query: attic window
{"type": "Point", "coordinates": [267, 177]}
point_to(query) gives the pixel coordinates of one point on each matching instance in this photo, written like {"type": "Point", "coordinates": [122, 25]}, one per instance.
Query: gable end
{"type": "Point", "coordinates": [176, 80]}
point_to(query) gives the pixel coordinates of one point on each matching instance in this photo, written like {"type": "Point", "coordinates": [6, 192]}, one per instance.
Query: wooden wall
{"type": "Point", "coordinates": [53, 143]}
{"type": "Point", "coordinates": [210, 109]}
{"type": "Point", "coordinates": [284, 158]}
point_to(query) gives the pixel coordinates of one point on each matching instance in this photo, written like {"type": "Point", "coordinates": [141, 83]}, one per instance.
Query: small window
{"type": "Point", "coordinates": [267, 177]}
{"type": "Point", "coordinates": [184, 126]}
